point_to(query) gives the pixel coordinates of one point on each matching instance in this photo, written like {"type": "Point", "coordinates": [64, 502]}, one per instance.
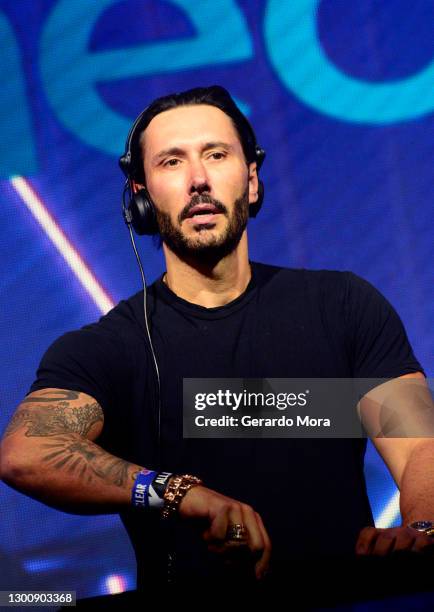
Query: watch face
{"type": "Point", "coordinates": [421, 525]}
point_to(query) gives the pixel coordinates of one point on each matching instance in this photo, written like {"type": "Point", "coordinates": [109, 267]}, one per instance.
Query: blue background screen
{"type": "Point", "coordinates": [341, 97]}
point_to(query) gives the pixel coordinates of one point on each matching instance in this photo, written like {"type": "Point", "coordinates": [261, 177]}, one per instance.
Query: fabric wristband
{"type": "Point", "coordinates": [157, 489]}
{"type": "Point", "coordinates": [148, 489]}
{"type": "Point", "coordinates": [140, 491]}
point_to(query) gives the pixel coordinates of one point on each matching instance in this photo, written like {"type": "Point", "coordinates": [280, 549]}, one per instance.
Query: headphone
{"type": "Point", "coordinates": [137, 207]}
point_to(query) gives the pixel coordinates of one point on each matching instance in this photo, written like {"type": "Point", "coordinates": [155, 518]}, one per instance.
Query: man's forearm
{"type": "Point", "coordinates": [70, 473]}
{"type": "Point", "coordinates": [417, 484]}
{"type": "Point", "coordinates": [48, 452]}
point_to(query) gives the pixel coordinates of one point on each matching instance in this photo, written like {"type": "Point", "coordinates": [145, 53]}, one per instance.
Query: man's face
{"type": "Point", "coordinates": [197, 176]}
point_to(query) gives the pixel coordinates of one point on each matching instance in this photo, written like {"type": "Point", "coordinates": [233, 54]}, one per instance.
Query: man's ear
{"type": "Point", "coordinates": [136, 186]}
{"type": "Point", "coordinates": [253, 183]}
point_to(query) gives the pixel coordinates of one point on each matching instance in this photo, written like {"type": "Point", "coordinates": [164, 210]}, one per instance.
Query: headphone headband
{"type": "Point", "coordinates": [125, 161]}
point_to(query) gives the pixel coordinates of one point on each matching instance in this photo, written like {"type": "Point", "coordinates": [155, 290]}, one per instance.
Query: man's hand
{"type": "Point", "coordinates": [372, 541]}
{"type": "Point", "coordinates": [220, 512]}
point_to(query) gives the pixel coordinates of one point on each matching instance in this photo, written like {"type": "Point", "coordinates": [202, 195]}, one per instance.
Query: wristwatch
{"type": "Point", "coordinates": [426, 527]}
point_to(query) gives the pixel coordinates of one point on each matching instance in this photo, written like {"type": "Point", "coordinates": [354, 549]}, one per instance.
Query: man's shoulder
{"type": "Point", "coordinates": [118, 324]}
{"type": "Point", "coordinates": [122, 318]}
{"type": "Point", "coordinates": [301, 277]}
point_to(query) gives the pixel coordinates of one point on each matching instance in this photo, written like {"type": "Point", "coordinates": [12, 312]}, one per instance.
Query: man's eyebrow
{"type": "Point", "coordinates": [215, 144]}
{"type": "Point", "coordinates": [165, 152]}
{"type": "Point", "coordinates": [180, 151]}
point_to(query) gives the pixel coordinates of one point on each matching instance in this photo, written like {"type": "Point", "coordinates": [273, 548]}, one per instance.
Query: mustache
{"type": "Point", "coordinates": [201, 199]}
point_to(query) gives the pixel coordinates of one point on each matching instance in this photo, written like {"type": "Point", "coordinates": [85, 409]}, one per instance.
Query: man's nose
{"type": "Point", "coordinates": [199, 182]}
{"type": "Point", "coordinates": [199, 188]}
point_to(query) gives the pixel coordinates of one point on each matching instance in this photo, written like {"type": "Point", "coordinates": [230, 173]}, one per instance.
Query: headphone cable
{"type": "Point", "coordinates": [154, 358]}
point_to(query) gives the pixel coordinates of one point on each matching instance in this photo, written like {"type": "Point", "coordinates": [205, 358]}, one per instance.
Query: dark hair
{"type": "Point", "coordinates": [214, 96]}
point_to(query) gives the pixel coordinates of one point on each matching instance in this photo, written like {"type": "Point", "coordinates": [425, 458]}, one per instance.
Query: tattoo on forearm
{"type": "Point", "coordinates": [85, 459]}
{"type": "Point", "coordinates": [53, 420]}
{"type": "Point", "coordinates": [64, 423]}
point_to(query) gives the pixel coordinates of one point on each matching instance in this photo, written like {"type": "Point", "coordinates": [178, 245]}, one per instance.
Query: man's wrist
{"type": "Point", "coordinates": [149, 488]}
{"type": "Point", "coordinates": [163, 491]}
{"type": "Point", "coordinates": [178, 486]}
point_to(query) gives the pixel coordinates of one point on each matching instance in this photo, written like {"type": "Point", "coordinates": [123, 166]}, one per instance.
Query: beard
{"type": "Point", "coordinates": [206, 247]}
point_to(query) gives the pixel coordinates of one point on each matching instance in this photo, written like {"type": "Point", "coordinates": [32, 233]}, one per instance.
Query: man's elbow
{"type": "Point", "coordinates": [16, 468]}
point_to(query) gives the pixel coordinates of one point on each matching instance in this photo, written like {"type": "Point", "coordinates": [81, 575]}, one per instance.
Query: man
{"type": "Point", "coordinates": [82, 437]}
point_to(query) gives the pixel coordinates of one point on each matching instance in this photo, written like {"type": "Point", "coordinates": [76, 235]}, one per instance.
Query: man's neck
{"type": "Point", "coordinates": [209, 286]}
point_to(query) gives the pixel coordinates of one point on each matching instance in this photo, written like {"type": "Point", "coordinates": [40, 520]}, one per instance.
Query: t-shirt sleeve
{"type": "Point", "coordinates": [83, 360]}
{"type": "Point", "coordinates": [379, 344]}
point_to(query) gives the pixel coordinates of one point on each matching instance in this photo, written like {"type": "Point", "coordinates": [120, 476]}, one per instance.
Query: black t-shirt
{"type": "Point", "coordinates": [289, 323]}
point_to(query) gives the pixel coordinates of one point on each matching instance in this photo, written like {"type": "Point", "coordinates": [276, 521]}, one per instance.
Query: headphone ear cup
{"type": "Point", "coordinates": [256, 207]}
{"type": "Point", "coordinates": [143, 218]}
